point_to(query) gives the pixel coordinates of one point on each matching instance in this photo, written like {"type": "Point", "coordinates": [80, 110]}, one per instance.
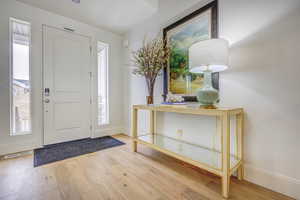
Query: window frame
{"type": "Point", "coordinates": [107, 47]}
{"type": "Point", "coordinates": [11, 70]}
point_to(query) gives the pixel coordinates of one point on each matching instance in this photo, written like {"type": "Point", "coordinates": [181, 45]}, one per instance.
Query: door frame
{"type": "Point", "coordinates": [44, 26]}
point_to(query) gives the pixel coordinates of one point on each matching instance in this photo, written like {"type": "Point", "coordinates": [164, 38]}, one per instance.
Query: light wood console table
{"type": "Point", "coordinates": [221, 163]}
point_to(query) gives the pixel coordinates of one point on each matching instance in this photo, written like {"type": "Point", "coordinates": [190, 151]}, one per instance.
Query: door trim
{"type": "Point", "coordinates": [90, 81]}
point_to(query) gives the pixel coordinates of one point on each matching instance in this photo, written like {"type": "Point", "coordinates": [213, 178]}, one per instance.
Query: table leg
{"type": "Point", "coordinates": [225, 154]}
{"type": "Point", "coordinates": [152, 124]}
{"type": "Point", "coordinates": [239, 131]}
{"type": "Point", "coordinates": [134, 119]}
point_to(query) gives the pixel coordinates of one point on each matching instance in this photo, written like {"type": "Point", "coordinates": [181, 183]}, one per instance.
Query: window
{"type": "Point", "coordinates": [103, 105]}
{"type": "Point", "coordinates": [20, 35]}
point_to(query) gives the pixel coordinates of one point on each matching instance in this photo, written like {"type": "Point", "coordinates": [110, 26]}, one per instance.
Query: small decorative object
{"type": "Point", "coordinates": [149, 60]}
{"type": "Point", "coordinates": [174, 99]}
{"type": "Point", "coordinates": [207, 57]}
{"type": "Point", "coordinates": [200, 25]}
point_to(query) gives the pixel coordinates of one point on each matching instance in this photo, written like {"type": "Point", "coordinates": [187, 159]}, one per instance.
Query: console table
{"type": "Point", "coordinates": [222, 163]}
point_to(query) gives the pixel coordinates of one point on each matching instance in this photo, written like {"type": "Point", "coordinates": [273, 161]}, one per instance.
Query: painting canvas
{"type": "Point", "coordinates": [180, 36]}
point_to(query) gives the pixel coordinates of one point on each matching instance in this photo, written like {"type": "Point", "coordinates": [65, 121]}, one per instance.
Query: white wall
{"type": "Point", "coordinates": [264, 80]}
{"type": "Point", "coordinates": [37, 17]}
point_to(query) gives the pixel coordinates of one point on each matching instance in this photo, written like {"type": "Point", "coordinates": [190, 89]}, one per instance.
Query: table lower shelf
{"type": "Point", "coordinates": [205, 158]}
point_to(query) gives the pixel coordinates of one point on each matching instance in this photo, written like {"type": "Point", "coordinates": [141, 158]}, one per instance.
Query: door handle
{"type": "Point", "coordinates": [47, 101]}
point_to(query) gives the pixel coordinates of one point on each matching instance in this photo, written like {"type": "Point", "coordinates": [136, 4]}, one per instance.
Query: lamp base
{"type": "Point", "coordinates": [207, 96]}
{"type": "Point", "coordinates": [208, 106]}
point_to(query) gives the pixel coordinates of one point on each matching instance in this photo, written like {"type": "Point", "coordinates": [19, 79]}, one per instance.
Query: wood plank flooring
{"type": "Point", "coordinates": [118, 174]}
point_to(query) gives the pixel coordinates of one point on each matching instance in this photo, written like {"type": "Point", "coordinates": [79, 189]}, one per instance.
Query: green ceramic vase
{"type": "Point", "coordinates": [207, 96]}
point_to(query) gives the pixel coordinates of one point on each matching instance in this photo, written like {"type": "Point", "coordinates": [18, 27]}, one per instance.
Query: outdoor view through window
{"type": "Point", "coordinates": [20, 77]}
{"type": "Point", "coordinates": [103, 106]}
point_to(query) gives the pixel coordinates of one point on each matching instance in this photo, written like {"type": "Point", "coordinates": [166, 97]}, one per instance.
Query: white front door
{"type": "Point", "coordinates": [66, 86]}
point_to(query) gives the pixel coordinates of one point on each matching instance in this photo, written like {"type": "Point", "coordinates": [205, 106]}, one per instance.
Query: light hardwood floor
{"type": "Point", "coordinates": [118, 173]}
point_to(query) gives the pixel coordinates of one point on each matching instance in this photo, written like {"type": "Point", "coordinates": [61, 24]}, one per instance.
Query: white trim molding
{"type": "Point", "coordinates": [274, 181]}
{"type": "Point", "coordinates": [114, 130]}
{"type": "Point", "coordinates": [10, 148]}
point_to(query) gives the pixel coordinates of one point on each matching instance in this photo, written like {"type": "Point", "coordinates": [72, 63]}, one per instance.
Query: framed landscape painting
{"type": "Point", "coordinates": [199, 25]}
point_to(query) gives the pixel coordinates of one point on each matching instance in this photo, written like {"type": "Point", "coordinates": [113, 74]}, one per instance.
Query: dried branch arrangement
{"type": "Point", "coordinates": [149, 61]}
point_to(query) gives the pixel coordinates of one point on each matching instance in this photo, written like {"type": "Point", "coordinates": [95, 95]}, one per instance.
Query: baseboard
{"type": "Point", "coordinates": [6, 149]}
{"type": "Point", "coordinates": [274, 181]}
{"type": "Point", "coordinates": [126, 131]}
{"type": "Point", "coordinates": [108, 131]}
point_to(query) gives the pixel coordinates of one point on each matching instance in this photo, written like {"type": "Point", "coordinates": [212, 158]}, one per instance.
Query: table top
{"type": "Point", "coordinates": [189, 109]}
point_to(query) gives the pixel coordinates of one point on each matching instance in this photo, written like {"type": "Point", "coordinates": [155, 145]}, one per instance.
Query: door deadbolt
{"type": "Point", "coordinates": [47, 92]}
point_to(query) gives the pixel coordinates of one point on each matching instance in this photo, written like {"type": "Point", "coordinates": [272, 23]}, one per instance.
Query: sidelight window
{"type": "Point", "coordinates": [20, 85]}
{"type": "Point", "coordinates": [103, 104]}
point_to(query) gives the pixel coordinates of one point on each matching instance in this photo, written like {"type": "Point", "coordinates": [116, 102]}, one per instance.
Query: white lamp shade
{"type": "Point", "coordinates": [209, 55]}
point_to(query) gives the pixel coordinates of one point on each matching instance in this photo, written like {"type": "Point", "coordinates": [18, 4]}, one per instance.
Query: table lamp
{"type": "Point", "coordinates": [207, 57]}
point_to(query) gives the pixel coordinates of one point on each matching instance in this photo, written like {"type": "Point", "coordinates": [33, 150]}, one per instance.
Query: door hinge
{"type": "Point", "coordinates": [91, 127]}
{"type": "Point", "coordinates": [91, 74]}
{"type": "Point", "coordinates": [91, 49]}
{"type": "Point", "coordinates": [91, 101]}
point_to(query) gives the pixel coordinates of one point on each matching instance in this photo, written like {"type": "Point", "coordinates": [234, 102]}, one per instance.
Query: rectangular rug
{"type": "Point", "coordinates": [55, 152]}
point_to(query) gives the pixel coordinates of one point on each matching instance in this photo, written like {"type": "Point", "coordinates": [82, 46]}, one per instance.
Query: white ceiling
{"type": "Point", "coordinates": [115, 15]}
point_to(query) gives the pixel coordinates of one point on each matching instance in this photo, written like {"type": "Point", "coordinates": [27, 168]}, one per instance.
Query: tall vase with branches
{"type": "Point", "coordinates": [149, 61]}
